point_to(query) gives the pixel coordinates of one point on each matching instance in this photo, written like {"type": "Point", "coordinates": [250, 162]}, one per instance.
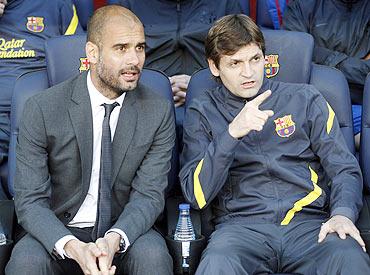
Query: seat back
{"type": "Point", "coordinates": [288, 55]}
{"type": "Point", "coordinates": [333, 86]}
{"type": "Point", "coordinates": [363, 223]}
{"type": "Point", "coordinates": [365, 136]}
{"type": "Point", "coordinates": [27, 84]}
{"type": "Point", "coordinates": [85, 9]}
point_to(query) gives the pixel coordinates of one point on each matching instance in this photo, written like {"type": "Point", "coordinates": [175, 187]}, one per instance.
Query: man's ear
{"type": "Point", "coordinates": [92, 52]}
{"type": "Point", "coordinates": [213, 68]}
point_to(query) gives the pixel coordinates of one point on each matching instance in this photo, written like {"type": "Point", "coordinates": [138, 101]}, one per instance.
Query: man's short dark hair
{"type": "Point", "coordinates": [229, 34]}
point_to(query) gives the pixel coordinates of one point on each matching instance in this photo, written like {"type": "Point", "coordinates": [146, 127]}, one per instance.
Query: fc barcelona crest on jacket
{"type": "Point", "coordinates": [284, 126]}
{"type": "Point", "coordinates": [35, 24]}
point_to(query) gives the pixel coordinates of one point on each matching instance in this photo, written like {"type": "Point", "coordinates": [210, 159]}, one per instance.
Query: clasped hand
{"type": "Point", "coordinates": [179, 84]}
{"type": "Point", "coordinates": [95, 258]}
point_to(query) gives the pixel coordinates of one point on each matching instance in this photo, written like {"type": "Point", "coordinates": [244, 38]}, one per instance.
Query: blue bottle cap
{"type": "Point", "coordinates": [184, 206]}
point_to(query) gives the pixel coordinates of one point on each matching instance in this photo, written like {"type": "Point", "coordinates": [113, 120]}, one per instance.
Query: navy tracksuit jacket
{"type": "Point", "coordinates": [298, 167]}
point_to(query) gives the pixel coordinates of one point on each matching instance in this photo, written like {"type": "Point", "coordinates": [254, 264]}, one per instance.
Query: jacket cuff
{"type": "Point", "coordinates": [344, 211]}
{"type": "Point", "coordinates": [227, 143]}
{"type": "Point", "coordinates": [123, 236]}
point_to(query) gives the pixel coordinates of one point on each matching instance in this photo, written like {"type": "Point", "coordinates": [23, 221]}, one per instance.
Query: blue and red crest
{"type": "Point", "coordinates": [285, 126]}
{"type": "Point", "coordinates": [35, 24]}
{"type": "Point", "coordinates": [271, 65]}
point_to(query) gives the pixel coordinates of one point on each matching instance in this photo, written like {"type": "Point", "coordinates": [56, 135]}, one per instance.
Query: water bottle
{"type": "Point", "coordinates": [184, 229]}
{"type": "Point", "coordinates": [185, 233]}
{"type": "Point", "coordinates": [2, 235]}
{"type": "Point", "coordinates": [2, 238]}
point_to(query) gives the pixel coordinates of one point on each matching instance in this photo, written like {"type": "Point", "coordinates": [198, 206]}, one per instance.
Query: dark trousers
{"type": "Point", "coordinates": [271, 248]}
{"type": "Point", "coordinates": [147, 255]}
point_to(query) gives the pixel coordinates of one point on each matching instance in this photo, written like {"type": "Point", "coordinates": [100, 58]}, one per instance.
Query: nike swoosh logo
{"type": "Point", "coordinates": [321, 24]}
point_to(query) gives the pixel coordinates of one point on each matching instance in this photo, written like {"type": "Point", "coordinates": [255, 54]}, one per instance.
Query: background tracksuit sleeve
{"type": "Point", "coordinates": [69, 23]}
{"type": "Point", "coordinates": [339, 164]}
{"type": "Point", "coordinates": [297, 17]}
{"type": "Point", "coordinates": [205, 160]}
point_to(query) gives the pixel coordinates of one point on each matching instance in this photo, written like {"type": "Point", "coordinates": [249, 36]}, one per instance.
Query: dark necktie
{"type": "Point", "coordinates": [104, 213]}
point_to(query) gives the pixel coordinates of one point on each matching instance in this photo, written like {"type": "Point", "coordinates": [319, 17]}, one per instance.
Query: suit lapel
{"type": "Point", "coordinates": [81, 116]}
{"type": "Point", "coordinates": [124, 131]}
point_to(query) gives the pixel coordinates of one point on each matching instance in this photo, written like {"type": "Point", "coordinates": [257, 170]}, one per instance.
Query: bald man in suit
{"type": "Point", "coordinates": [59, 162]}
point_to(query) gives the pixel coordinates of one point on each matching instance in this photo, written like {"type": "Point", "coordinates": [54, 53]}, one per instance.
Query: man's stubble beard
{"type": "Point", "coordinates": [111, 84]}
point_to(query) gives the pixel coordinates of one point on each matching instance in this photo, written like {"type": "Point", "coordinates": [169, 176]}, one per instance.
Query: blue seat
{"type": "Point", "coordinates": [364, 220]}
{"type": "Point", "coordinates": [365, 135]}
{"type": "Point", "coordinates": [26, 85]}
{"type": "Point", "coordinates": [85, 9]}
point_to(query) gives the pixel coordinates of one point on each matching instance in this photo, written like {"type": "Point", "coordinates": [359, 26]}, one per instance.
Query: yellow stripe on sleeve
{"type": "Point", "coordinates": [329, 123]}
{"type": "Point", "coordinates": [198, 192]}
{"type": "Point", "coordinates": [310, 198]}
{"type": "Point", "coordinates": [74, 23]}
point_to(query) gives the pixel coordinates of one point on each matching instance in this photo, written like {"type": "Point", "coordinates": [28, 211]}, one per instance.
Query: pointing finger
{"type": "Point", "coordinates": [261, 98]}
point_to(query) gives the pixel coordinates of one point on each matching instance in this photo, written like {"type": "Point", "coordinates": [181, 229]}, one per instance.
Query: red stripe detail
{"type": "Point", "coordinates": [280, 17]}
{"type": "Point", "coordinates": [253, 9]}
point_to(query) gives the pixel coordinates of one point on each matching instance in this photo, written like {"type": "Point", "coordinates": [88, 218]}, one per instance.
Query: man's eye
{"type": "Point", "coordinates": [257, 58]}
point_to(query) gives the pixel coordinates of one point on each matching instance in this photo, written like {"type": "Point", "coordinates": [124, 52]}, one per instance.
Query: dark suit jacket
{"type": "Point", "coordinates": [54, 159]}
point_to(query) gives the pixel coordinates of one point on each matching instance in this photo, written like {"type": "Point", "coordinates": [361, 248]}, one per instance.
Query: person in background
{"type": "Point", "coordinates": [175, 31]}
{"type": "Point", "coordinates": [270, 159]}
{"type": "Point", "coordinates": [93, 155]}
{"type": "Point", "coordinates": [341, 32]}
{"type": "Point", "coordinates": [24, 27]}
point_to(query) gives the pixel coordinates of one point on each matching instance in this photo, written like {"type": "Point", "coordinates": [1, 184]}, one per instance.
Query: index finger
{"type": "Point", "coordinates": [261, 98]}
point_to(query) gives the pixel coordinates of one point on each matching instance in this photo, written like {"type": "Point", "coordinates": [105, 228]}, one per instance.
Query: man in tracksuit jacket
{"type": "Point", "coordinates": [341, 32]}
{"type": "Point", "coordinates": [271, 160]}
{"type": "Point", "coordinates": [24, 27]}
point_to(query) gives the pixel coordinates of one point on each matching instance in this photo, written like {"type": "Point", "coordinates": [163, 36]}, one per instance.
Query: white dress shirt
{"type": "Point", "coordinates": [86, 215]}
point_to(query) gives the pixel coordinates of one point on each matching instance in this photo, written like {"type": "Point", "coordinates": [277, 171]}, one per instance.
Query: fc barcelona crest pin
{"type": "Point", "coordinates": [284, 126]}
{"type": "Point", "coordinates": [35, 24]}
{"type": "Point", "coordinates": [271, 65]}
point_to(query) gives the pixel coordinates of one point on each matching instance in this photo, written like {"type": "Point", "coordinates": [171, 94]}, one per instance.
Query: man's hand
{"type": "Point", "coordinates": [250, 117]}
{"type": "Point", "coordinates": [2, 6]}
{"type": "Point", "coordinates": [85, 254]}
{"type": "Point", "coordinates": [342, 226]}
{"type": "Point", "coordinates": [179, 84]}
{"type": "Point", "coordinates": [108, 245]}
{"type": "Point", "coordinates": [367, 57]}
